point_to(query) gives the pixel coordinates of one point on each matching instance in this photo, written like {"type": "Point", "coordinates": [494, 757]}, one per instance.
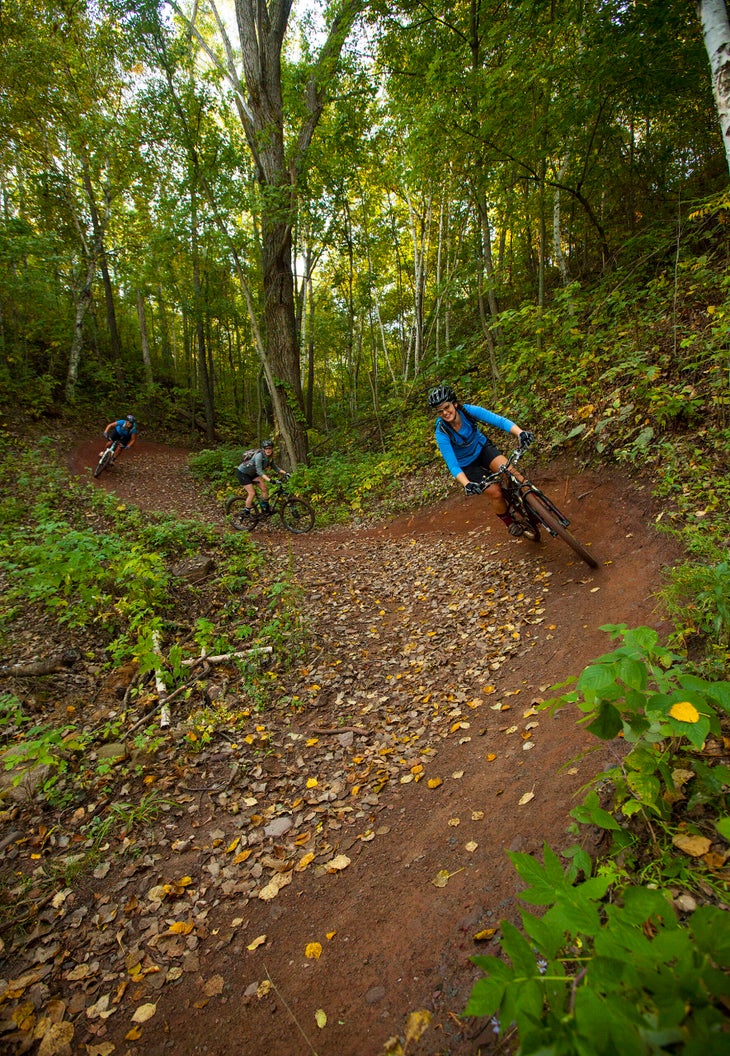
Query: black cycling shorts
{"type": "Point", "coordinates": [477, 469]}
{"type": "Point", "coordinates": [246, 478]}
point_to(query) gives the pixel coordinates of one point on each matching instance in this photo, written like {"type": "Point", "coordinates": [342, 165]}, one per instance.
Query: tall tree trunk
{"type": "Point", "coordinates": [716, 32]}
{"type": "Point", "coordinates": [144, 338]}
{"type": "Point", "coordinates": [262, 27]}
{"type": "Point", "coordinates": [310, 350]}
{"type": "Point", "coordinates": [83, 300]}
{"type": "Point", "coordinates": [100, 251]}
{"type": "Point", "coordinates": [206, 386]}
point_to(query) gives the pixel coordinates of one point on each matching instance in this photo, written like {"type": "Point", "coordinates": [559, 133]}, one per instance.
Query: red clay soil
{"type": "Point", "coordinates": [393, 942]}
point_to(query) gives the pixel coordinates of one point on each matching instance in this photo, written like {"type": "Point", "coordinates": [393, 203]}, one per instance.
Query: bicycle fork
{"type": "Point", "coordinates": [526, 487]}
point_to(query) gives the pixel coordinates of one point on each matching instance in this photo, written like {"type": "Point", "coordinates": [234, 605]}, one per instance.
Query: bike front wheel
{"type": "Point", "coordinates": [553, 525]}
{"type": "Point", "coordinates": [241, 521]}
{"type": "Point", "coordinates": [297, 516]}
{"type": "Point", "coordinates": [103, 462]}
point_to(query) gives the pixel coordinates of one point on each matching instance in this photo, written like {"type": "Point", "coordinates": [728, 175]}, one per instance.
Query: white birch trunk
{"type": "Point", "coordinates": [716, 32]}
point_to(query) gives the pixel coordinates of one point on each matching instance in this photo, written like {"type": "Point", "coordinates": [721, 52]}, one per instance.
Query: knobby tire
{"type": "Point", "coordinates": [235, 506]}
{"type": "Point", "coordinates": [553, 524]}
{"type": "Point", "coordinates": [297, 516]}
{"type": "Point", "coordinates": [103, 462]}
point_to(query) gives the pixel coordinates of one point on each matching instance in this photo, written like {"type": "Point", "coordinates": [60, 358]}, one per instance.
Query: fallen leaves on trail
{"type": "Point", "coordinates": [313, 951]}
{"type": "Point", "coordinates": [320, 1017]}
{"type": "Point", "coordinates": [443, 876]}
{"type": "Point", "coordinates": [274, 886]}
{"type": "Point", "coordinates": [694, 846]}
{"type": "Point", "coordinates": [411, 639]}
{"type": "Point", "coordinates": [144, 1013]}
{"type": "Point", "coordinates": [337, 864]}
{"type": "Point", "coordinates": [527, 798]}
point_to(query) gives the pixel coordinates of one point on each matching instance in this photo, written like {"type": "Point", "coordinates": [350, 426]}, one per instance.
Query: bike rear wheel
{"type": "Point", "coordinates": [552, 523]}
{"type": "Point", "coordinates": [103, 462]}
{"type": "Point", "coordinates": [242, 522]}
{"type": "Point", "coordinates": [297, 516]}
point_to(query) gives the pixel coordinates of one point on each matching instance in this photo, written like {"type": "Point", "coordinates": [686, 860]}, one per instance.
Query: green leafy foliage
{"type": "Point", "coordinates": [609, 965]}
{"type": "Point", "coordinates": [597, 976]}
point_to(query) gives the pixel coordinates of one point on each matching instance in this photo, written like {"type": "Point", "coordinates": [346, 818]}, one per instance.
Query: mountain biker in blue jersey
{"type": "Point", "coordinates": [468, 453]}
{"type": "Point", "coordinates": [124, 430]}
{"type": "Point", "coordinates": [254, 472]}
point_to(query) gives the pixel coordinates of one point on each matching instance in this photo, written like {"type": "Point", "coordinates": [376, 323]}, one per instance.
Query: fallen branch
{"type": "Point", "coordinates": [160, 704]}
{"type": "Point", "coordinates": [223, 657]}
{"type": "Point", "coordinates": [160, 685]}
{"type": "Point", "coordinates": [50, 666]}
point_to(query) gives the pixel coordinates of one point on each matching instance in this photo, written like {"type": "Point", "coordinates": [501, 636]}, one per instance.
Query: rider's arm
{"type": "Point", "coordinates": [447, 451]}
{"type": "Point", "coordinates": [490, 418]}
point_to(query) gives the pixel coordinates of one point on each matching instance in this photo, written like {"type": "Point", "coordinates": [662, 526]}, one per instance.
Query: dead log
{"type": "Point", "coordinates": [50, 666]}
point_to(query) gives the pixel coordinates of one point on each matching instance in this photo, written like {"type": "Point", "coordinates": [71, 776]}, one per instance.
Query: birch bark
{"type": "Point", "coordinates": [713, 16]}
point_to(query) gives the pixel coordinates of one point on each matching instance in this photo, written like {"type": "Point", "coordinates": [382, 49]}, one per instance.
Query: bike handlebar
{"type": "Point", "coordinates": [492, 478]}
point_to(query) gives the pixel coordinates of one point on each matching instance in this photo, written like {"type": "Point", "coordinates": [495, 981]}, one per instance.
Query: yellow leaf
{"type": "Point", "coordinates": [486, 933]}
{"type": "Point", "coordinates": [56, 1039]}
{"type": "Point", "coordinates": [181, 927]}
{"type": "Point", "coordinates": [330, 935]}
{"type": "Point", "coordinates": [341, 861]}
{"type": "Point", "coordinates": [312, 782]}
{"type": "Point", "coordinates": [491, 757]}
{"type": "Point", "coordinates": [683, 711]}
{"type": "Point", "coordinates": [242, 856]}
{"type": "Point", "coordinates": [418, 1022]}
{"type": "Point", "coordinates": [264, 988]}
{"type": "Point", "coordinates": [133, 1035]}
{"type": "Point", "coordinates": [311, 742]}
{"type": "Point", "coordinates": [526, 798]}
{"type": "Point", "coordinates": [453, 822]}
{"type": "Point", "coordinates": [434, 782]}
{"type": "Point", "coordinates": [321, 1017]}
{"type": "Point", "coordinates": [233, 844]}
{"type": "Point", "coordinates": [694, 846]}
{"type": "Point", "coordinates": [313, 951]}
{"type": "Point", "coordinates": [143, 1013]}
{"type": "Point", "coordinates": [443, 876]}
{"type": "Point", "coordinates": [256, 943]}
{"type": "Point", "coordinates": [274, 886]}
{"type": "Point", "coordinates": [304, 862]}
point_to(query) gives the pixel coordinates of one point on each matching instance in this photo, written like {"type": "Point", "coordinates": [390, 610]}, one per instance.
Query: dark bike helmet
{"type": "Point", "coordinates": [441, 394]}
{"type": "Point", "coordinates": [267, 443]}
{"type": "Point", "coordinates": [131, 419]}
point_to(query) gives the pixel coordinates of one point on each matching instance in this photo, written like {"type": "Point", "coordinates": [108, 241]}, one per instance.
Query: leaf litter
{"type": "Point", "coordinates": [409, 640]}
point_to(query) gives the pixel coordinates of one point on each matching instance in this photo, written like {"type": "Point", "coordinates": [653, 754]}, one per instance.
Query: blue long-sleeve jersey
{"type": "Point", "coordinates": [461, 447]}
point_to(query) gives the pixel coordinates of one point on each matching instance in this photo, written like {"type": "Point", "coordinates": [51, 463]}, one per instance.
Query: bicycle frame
{"type": "Point", "coordinates": [516, 488]}
{"type": "Point", "coordinates": [527, 503]}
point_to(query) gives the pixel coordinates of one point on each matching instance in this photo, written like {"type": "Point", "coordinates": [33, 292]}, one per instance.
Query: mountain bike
{"type": "Point", "coordinates": [532, 509]}
{"type": "Point", "coordinates": [294, 513]}
{"type": "Point", "coordinates": [106, 458]}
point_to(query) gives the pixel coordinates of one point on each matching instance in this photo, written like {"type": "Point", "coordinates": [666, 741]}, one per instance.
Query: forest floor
{"type": "Point", "coordinates": [329, 874]}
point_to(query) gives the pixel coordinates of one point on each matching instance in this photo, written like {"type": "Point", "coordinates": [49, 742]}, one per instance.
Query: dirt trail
{"type": "Point", "coordinates": [447, 631]}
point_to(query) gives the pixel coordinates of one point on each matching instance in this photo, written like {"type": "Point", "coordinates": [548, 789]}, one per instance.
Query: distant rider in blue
{"type": "Point", "coordinates": [468, 453]}
{"type": "Point", "coordinates": [124, 430]}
